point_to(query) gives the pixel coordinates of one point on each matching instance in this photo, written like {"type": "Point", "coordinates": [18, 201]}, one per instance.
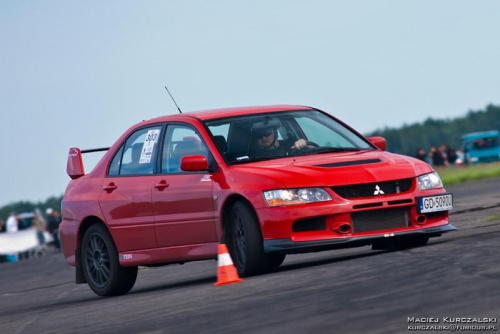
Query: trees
{"type": "Point", "coordinates": [25, 206]}
{"type": "Point", "coordinates": [433, 132]}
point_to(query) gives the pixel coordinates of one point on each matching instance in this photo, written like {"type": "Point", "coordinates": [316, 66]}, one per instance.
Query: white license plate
{"type": "Point", "coordinates": [435, 203]}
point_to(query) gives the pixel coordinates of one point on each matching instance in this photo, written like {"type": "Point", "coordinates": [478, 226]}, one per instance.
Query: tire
{"type": "Point", "coordinates": [100, 264]}
{"type": "Point", "coordinates": [245, 241]}
{"type": "Point", "coordinates": [275, 260]}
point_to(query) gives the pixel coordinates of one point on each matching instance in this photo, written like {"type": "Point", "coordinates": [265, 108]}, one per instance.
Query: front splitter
{"type": "Point", "coordinates": [290, 247]}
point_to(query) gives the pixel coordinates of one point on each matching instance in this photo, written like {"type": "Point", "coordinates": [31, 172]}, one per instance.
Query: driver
{"type": "Point", "coordinates": [265, 141]}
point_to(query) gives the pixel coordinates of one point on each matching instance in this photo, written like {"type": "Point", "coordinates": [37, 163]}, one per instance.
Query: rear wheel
{"type": "Point", "coordinates": [245, 243]}
{"type": "Point", "coordinates": [100, 264]}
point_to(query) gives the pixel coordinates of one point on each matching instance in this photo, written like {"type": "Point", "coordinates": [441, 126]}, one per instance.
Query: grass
{"type": "Point", "coordinates": [491, 218]}
{"type": "Point", "coordinates": [456, 175]}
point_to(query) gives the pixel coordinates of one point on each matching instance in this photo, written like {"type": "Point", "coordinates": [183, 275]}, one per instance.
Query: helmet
{"type": "Point", "coordinates": [263, 127]}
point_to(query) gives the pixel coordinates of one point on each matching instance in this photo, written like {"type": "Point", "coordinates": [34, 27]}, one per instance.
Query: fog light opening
{"type": "Point", "coordinates": [421, 219]}
{"type": "Point", "coordinates": [345, 228]}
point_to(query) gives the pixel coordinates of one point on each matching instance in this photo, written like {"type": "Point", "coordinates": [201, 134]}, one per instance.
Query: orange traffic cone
{"type": "Point", "coordinates": [226, 272]}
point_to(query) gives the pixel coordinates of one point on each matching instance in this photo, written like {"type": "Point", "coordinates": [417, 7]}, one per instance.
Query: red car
{"type": "Point", "coordinates": [267, 181]}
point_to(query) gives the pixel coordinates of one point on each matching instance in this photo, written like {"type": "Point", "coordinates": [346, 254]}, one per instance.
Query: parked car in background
{"type": "Point", "coordinates": [267, 181]}
{"type": "Point", "coordinates": [481, 147]}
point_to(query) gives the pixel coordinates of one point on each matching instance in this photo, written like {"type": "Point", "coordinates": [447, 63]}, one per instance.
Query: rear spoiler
{"type": "Point", "coordinates": [74, 167]}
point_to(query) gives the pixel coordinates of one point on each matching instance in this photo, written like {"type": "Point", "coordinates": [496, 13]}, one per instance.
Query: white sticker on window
{"type": "Point", "coordinates": [147, 147]}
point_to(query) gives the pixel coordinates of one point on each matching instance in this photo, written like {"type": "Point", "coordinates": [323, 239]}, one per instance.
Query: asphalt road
{"type": "Point", "coordinates": [347, 291]}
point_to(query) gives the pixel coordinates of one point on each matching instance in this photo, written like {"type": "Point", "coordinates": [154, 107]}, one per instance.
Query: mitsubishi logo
{"type": "Point", "coordinates": [378, 191]}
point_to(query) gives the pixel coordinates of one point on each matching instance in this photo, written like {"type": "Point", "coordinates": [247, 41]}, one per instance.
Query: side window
{"type": "Point", "coordinates": [220, 134]}
{"type": "Point", "coordinates": [139, 151]}
{"type": "Point", "coordinates": [180, 141]}
{"type": "Point", "coordinates": [114, 167]}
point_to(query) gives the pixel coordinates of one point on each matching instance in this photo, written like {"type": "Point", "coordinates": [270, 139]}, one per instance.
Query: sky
{"type": "Point", "coordinates": [81, 73]}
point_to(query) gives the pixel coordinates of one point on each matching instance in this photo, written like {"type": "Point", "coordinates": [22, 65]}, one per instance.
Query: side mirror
{"type": "Point", "coordinates": [194, 163]}
{"type": "Point", "coordinates": [74, 167]}
{"type": "Point", "coordinates": [378, 142]}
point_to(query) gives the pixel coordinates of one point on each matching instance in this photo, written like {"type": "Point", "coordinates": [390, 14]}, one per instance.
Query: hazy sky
{"type": "Point", "coordinates": [80, 73]}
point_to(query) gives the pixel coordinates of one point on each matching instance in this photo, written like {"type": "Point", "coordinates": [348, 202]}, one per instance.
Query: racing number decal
{"type": "Point", "coordinates": [148, 146]}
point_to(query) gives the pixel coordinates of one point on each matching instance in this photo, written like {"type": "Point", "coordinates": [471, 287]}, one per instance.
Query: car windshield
{"type": "Point", "coordinates": [276, 135]}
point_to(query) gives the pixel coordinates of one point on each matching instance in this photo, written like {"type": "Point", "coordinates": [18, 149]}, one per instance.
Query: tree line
{"type": "Point", "coordinates": [435, 132]}
{"type": "Point", "coordinates": [26, 206]}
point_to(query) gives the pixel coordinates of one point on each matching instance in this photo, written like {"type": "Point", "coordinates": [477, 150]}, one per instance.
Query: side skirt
{"type": "Point", "coordinates": [167, 255]}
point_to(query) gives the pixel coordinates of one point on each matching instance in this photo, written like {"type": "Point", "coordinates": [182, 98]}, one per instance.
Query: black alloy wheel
{"type": "Point", "coordinates": [97, 260]}
{"type": "Point", "coordinates": [239, 239]}
{"type": "Point", "coordinates": [100, 264]}
{"type": "Point", "coordinates": [246, 243]}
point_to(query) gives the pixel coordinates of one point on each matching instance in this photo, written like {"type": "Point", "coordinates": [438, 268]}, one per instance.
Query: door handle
{"type": "Point", "coordinates": [110, 187]}
{"type": "Point", "coordinates": [161, 185]}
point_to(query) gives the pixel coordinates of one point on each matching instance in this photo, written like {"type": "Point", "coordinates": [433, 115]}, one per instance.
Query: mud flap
{"type": "Point", "coordinates": [80, 276]}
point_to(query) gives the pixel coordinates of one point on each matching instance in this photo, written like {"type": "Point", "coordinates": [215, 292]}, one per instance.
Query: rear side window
{"type": "Point", "coordinates": [114, 167]}
{"type": "Point", "coordinates": [137, 155]}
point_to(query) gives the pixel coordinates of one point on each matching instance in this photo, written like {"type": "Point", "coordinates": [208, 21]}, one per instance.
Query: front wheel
{"type": "Point", "coordinates": [100, 264]}
{"type": "Point", "coordinates": [275, 260]}
{"type": "Point", "coordinates": [246, 244]}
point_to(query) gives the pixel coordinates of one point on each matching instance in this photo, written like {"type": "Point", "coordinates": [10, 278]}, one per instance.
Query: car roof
{"type": "Point", "coordinates": [206, 115]}
{"type": "Point", "coordinates": [480, 135]}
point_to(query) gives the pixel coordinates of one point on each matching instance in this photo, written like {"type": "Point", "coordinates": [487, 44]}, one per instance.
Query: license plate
{"type": "Point", "coordinates": [435, 203]}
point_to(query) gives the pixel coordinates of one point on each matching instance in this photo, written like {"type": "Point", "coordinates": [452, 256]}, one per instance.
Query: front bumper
{"type": "Point", "coordinates": [290, 247]}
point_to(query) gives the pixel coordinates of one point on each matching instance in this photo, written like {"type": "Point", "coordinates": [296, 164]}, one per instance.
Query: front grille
{"type": "Point", "coordinates": [374, 189]}
{"type": "Point", "coordinates": [366, 206]}
{"type": "Point", "coordinates": [379, 220]}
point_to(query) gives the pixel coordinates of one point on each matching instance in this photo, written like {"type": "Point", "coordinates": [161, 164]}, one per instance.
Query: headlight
{"type": "Point", "coordinates": [429, 181]}
{"type": "Point", "coordinates": [282, 197]}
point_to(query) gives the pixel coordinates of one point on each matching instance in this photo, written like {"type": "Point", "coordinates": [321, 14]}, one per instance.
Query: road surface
{"type": "Point", "coordinates": [344, 291]}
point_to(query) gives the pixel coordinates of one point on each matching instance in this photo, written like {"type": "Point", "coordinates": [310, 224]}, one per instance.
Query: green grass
{"type": "Point", "coordinates": [455, 175]}
{"type": "Point", "coordinates": [491, 218]}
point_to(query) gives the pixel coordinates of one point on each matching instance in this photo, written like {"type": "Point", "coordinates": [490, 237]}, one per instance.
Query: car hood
{"type": "Point", "coordinates": [338, 168]}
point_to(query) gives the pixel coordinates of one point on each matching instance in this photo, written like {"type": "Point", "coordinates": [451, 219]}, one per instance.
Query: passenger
{"type": "Point", "coordinates": [265, 142]}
